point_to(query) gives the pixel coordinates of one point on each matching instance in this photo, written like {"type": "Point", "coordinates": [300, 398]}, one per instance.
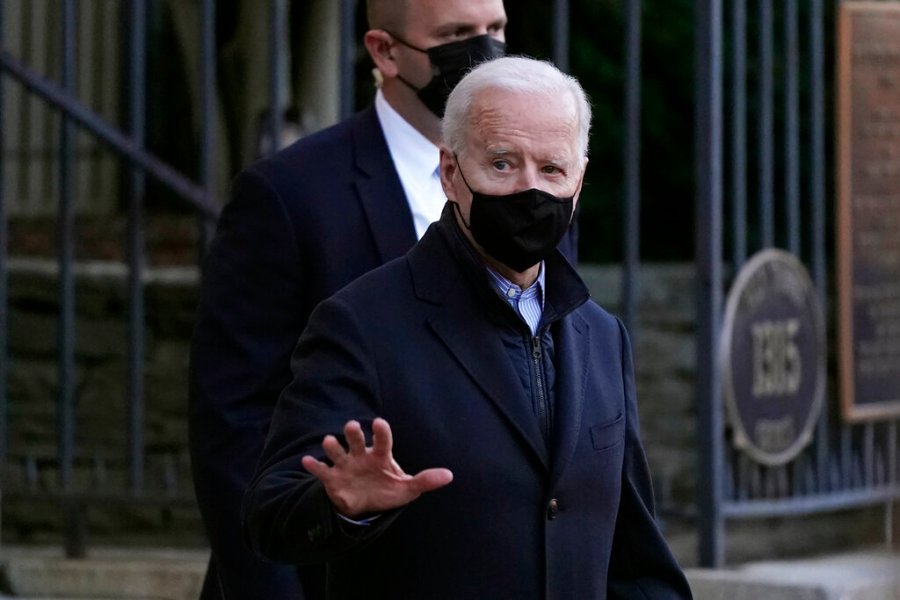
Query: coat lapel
{"type": "Point", "coordinates": [573, 361]}
{"type": "Point", "coordinates": [473, 343]}
{"type": "Point", "coordinates": [463, 324]}
{"type": "Point", "coordinates": [380, 191]}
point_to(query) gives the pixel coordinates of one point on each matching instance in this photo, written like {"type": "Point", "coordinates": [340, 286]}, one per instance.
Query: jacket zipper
{"type": "Point", "coordinates": [543, 412]}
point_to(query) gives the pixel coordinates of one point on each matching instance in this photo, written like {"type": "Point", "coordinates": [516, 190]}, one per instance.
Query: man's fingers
{"type": "Point", "coordinates": [356, 440]}
{"type": "Point", "coordinates": [315, 467]}
{"type": "Point", "coordinates": [431, 479]}
{"type": "Point", "coordinates": [333, 449]}
{"type": "Point", "coordinates": [382, 438]}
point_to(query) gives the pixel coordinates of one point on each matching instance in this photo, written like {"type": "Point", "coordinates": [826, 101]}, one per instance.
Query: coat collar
{"type": "Point", "coordinates": [564, 288]}
{"type": "Point", "coordinates": [447, 272]}
{"type": "Point", "coordinates": [379, 189]}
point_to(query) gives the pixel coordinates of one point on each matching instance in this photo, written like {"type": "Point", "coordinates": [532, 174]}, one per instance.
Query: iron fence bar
{"type": "Point", "coordinates": [137, 113]}
{"type": "Point", "coordinates": [4, 275]}
{"type": "Point", "coordinates": [817, 199]}
{"type": "Point", "coordinates": [846, 456]}
{"type": "Point", "coordinates": [77, 113]}
{"type": "Point", "coordinates": [766, 120]}
{"type": "Point", "coordinates": [708, 248]}
{"type": "Point", "coordinates": [739, 133]}
{"type": "Point", "coordinates": [44, 168]}
{"type": "Point", "coordinates": [735, 464]}
{"type": "Point", "coordinates": [561, 12]}
{"type": "Point", "coordinates": [792, 128]}
{"type": "Point", "coordinates": [348, 57]}
{"type": "Point", "coordinates": [277, 20]}
{"type": "Point", "coordinates": [26, 106]}
{"type": "Point", "coordinates": [632, 163]}
{"type": "Point", "coordinates": [207, 115]}
{"type": "Point", "coordinates": [822, 450]}
{"type": "Point", "coordinates": [868, 454]}
{"type": "Point", "coordinates": [893, 477]}
{"type": "Point", "coordinates": [73, 529]}
{"type": "Point", "coordinates": [817, 143]}
{"type": "Point", "coordinates": [892, 458]}
{"type": "Point", "coordinates": [889, 524]}
{"type": "Point", "coordinates": [99, 43]}
{"type": "Point", "coordinates": [66, 248]}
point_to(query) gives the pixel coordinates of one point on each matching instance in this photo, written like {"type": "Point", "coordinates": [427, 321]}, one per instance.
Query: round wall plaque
{"type": "Point", "coordinates": [772, 357]}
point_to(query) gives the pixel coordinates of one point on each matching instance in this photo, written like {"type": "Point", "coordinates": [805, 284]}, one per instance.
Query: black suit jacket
{"type": "Point", "coordinates": [300, 225]}
{"type": "Point", "coordinates": [420, 343]}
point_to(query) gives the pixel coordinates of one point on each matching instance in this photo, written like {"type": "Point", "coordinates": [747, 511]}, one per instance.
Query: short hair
{"type": "Point", "coordinates": [515, 74]}
{"type": "Point", "coordinates": [389, 15]}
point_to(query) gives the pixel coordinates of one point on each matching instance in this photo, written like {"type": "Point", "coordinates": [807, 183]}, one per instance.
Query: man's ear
{"type": "Point", "coordinates": [580, 185]}
{"type": "Point", "coordinates": [448, 168]}
{"type": "Point", "coordinates": [378, 44]}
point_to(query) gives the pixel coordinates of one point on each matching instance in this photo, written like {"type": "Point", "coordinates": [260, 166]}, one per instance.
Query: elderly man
{"type": "Point", "coordinates": [504, 460]}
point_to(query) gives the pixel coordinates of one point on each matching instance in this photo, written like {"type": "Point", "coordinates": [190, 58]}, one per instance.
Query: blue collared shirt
{"type": "Point", "coordinates": [528, 303]}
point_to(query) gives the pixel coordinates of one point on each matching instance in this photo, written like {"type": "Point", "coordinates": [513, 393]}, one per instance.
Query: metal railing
{"type": "Point", "coordinates": [130, 146]}
{"type": "Point", "coordinates": [846, 465]}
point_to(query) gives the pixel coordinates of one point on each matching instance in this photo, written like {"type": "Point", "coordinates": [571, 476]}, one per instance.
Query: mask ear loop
{"type": "Point", "coordinates": [456, 204]}
{"type": "Point", "coordinates": [461, 174]}
{"type": "Point", "coordinates": [403, 79]}
{"type": "Point", "coordinates": [459, 212]}
{"type": "Point", "coordinates": [577, 193]}
{"type": "Point", "coordinates": [404, 42]}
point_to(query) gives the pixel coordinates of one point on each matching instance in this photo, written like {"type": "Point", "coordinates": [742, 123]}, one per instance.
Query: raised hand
{"type": "Point", "coordinates": [367, 479]}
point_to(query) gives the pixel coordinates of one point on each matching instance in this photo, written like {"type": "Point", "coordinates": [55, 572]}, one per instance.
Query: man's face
{"type": "Point", "coordinates": [430, 23]}
{"type": "Point", "coordinates": [515, 142]}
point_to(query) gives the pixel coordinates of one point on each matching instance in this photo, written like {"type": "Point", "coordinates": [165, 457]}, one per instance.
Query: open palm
{"type": "Point", "coordinates": [365, 479]}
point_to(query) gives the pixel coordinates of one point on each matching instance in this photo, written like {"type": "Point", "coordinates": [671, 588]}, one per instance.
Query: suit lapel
{"type": "Point", "coordinates": [573, 360]}
{"type": "Point", "coordinates": [474, 344]}
{"type": "Point", "coordinates": [380, 191]}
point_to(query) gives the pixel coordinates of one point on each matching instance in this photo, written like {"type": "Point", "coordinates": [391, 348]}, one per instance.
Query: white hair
{"type": "Point", "coordinates": [515, 74]}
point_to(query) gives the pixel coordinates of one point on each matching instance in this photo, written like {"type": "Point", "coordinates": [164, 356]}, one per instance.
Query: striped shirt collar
{"type": "Point", "coordinates": [528, 303]}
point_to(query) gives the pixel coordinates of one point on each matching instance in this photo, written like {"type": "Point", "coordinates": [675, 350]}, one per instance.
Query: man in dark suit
{"type": "Point", "coordinates": [509, 393]}
{"type": "Point", "coordinates": [300, 225]}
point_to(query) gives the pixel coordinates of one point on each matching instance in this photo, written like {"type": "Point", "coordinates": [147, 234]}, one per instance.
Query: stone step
{"type": "Point", "coordinates": [108, 573]}
{"type": "Point", "coordinates": [168, 574]}
{"type": "Point", "coordinates": [870, 575]}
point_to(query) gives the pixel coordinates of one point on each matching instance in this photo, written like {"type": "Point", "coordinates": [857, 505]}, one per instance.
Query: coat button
{"type": "Point", "coordinates": [552, 509]}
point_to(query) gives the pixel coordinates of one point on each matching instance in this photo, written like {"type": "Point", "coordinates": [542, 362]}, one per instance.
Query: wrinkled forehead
{"type": "Point", "coordinates": [543, 117]}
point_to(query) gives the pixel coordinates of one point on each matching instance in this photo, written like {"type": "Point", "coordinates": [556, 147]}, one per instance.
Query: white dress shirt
{"type": "Point", "coordinates": [417, 161]}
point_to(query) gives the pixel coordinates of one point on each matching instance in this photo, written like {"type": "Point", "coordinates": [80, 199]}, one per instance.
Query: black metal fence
{"type": "Point", "coordinates": [128, 143]}
{"type": "Point", "coordinates": [745, 163]}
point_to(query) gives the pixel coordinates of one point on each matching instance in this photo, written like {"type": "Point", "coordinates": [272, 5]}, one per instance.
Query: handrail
{"type": "Point", "coordinates": [123, 145]}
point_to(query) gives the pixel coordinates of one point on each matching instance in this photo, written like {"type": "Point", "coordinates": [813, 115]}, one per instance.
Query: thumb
{"type": "Point", "coordinates": [431, 479]}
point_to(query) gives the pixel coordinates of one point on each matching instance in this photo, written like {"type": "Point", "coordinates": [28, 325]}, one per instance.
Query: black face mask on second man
{"type": "Point", "coordinates": [449, 63]}
{"type": "Point", "coordinates": [519, 229]}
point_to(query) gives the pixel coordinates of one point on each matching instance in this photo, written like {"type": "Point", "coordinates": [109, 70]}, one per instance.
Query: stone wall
{"type": "Point", "coordinates": [101, 397]}
{"type": "Point", "coordinates": [664, 349]}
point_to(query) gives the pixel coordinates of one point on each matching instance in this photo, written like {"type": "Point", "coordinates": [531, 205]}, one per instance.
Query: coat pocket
{"type": "Point", "coordinates": [609, 434]}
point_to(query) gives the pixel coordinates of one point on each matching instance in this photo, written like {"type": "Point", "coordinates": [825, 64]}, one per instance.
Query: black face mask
{"type": "Point", "coordinates": [449, 63]}
{"type": "Point", "coordinates": [520, 229]}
